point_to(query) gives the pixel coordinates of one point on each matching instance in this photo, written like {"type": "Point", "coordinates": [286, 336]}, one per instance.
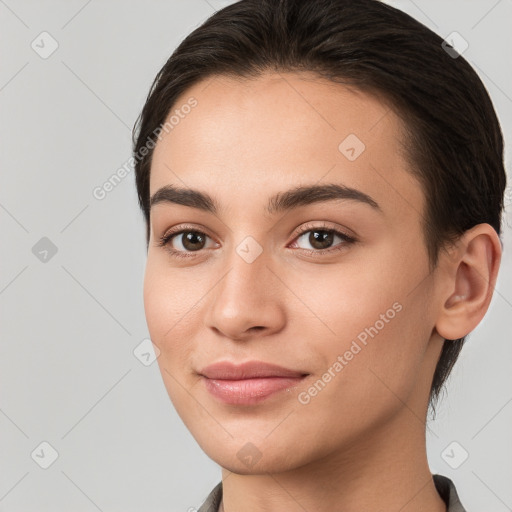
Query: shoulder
{"type": "Point", "coordinates": [212, 502]}
{"type": "Point", "coordinates": [447, 491]}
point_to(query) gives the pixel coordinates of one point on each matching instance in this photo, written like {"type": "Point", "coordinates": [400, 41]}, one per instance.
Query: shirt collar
{"type": "Point", "coordinates": [445, 487]}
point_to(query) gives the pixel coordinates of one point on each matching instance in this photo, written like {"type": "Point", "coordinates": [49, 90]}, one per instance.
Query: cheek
{"type": "Point", "coordinates": [172, 321]}
{"type": "Point", "coordinates": [169, 300]}
{"type": "Point", "coordinates": [375, 370]}
{"type": "Point", "coordinates": [159, 305]}
{"type": "Point", "coordinates": [347, 300]}
{"type": "Point", "coordinates": [368, 317]}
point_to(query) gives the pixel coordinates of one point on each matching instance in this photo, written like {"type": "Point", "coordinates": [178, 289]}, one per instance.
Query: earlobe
{"type": "Point", "coordinates": [474, 272]}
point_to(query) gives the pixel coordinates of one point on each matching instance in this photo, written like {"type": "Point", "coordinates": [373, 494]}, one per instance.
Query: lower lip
{"type": "Point", "coordinates": [249, 391]}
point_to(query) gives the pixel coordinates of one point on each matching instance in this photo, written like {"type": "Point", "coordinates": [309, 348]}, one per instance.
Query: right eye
{"type": "Point", "coordinates": [182, 241]}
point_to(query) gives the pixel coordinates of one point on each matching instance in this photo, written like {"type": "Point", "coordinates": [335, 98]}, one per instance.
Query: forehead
{"type": "Point", "coordinates": [280, 130]}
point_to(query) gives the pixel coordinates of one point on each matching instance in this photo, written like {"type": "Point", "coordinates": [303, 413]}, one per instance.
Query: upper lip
{"type": "Point", "coordinates": [248, 370]}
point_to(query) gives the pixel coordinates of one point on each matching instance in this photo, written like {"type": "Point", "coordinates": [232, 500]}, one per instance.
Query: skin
{"type": "Point", "coordinates": [359, 444]}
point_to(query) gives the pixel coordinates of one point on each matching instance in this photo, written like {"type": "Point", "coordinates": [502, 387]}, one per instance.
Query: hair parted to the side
{"type": "Point", "coordinates": [452, 137]}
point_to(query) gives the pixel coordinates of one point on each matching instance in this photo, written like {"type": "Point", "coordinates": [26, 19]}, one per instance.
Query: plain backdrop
{"type": "Point", "coordinates": [75, 392]}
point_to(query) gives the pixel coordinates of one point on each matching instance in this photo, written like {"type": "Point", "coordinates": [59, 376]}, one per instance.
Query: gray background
{"type": "Point", "coordinates": [70, 322]}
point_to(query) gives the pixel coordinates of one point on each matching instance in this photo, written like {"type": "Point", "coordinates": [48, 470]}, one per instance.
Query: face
{"type": "Point", "coordinates": [332, 284]}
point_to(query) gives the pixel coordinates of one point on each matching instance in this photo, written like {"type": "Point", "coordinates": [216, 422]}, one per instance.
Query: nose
{"type": "Point", "coordinates": [247, 301]}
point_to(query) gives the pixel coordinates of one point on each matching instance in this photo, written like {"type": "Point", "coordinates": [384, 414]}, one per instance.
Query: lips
{"type": "Point", "coordinates": [252, 369]}
{"type": "Point", "coordinates": [248, 383]}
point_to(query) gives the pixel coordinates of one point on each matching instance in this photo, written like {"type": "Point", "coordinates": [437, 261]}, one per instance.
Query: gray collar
{"type": "Point", "coordinates": [445, 487]}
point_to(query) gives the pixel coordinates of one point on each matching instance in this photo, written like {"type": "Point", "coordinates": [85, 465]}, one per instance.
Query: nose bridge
{"type": "Point", "coordinates": [246, 296]}
{"type": "Point", "coordinates": [248, 278]}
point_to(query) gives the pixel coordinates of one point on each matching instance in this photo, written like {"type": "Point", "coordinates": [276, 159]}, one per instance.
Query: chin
{"type": "Point", "coordinates": [247, 458]}
{"type": "Point", "coordinates": [260, 468]}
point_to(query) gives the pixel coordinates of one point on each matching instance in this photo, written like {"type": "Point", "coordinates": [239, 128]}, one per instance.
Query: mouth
{"type": "Point", "coordinates": [249, 383]}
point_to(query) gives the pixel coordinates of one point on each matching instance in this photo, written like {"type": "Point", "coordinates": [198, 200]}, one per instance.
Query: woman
{"type": "Point", "coordinates": [322, 184]}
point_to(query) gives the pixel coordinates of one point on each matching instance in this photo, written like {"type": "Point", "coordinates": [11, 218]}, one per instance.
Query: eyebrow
{"type": "Point", "coordinates": [282, 201]}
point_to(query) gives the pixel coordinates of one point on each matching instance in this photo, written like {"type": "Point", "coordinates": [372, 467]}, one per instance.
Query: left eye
{"type": "Point", "coordinates": [322, 239]}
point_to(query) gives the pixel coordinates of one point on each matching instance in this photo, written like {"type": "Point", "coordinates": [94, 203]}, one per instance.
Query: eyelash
{"type": "Point", "coordinates": [168, 236]}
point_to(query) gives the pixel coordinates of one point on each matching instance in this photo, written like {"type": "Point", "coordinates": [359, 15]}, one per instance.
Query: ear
{"type": "Point", "coordinates": [471, 271]}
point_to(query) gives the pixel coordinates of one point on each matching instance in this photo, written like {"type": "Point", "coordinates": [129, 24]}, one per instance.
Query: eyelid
{"type": "Point", "coordinates": [322, 226]}
{"type": "Point", "coordinates": [163, 241]}
{"type": "Point", "coordinates": [184, 227]}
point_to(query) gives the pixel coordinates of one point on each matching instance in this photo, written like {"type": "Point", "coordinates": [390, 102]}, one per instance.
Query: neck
{"type": "Point", "coordinates": [384, 470]}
